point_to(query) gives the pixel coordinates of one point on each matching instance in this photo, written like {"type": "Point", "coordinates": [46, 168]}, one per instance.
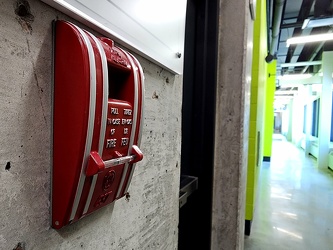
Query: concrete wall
{"type": "Point", "coordinates": [148, 220]}
{"type": "Point", "coordinates": [232, 124]}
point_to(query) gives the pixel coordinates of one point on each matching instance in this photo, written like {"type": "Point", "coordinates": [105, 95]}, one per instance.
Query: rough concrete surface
{"type": "Point", "coordinates": [231, 134]}
{"type": "Point", "coordinates": [148, 220]}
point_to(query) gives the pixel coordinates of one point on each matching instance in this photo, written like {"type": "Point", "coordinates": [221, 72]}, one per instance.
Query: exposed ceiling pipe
{"type": "Point", "coordinates": [268, 19]}
{"type": "Point", "coordinates": [278, 10]}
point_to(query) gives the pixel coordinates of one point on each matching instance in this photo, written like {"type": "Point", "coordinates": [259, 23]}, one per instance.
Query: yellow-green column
{"type": "Point", "coordinates": [257, 110]}
{"type": "Point", "coordinates": [269, 113]}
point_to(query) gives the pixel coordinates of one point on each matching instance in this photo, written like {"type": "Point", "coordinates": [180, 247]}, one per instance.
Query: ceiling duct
{"type": "Point", "coordinates": [278, 10]}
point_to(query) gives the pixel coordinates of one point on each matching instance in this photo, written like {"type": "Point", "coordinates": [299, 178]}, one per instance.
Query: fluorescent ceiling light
{"type": "Point", "coordinates": [294, 77]}
{"type": "Point", "coordinates": [296, 64]}
{"type": "Point", "coordinates": [309, 39]}
{"type": "Point", "coordinates": [285, 92]}
{"type": "Point", "coordinates": [319, 22]}
{"type": "Point", "coordinates": [305, 23]}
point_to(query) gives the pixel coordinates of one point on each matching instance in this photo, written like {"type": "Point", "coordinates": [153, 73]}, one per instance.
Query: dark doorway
{"type": "Point", "coordinates": [198, 121]}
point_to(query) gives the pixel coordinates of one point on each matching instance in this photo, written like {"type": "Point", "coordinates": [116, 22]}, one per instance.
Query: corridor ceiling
{"type": "Point", "coordinates": [285, 20]}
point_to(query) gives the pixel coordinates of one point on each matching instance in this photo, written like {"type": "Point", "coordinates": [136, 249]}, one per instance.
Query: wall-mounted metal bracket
{"type": "Point", "coordinates": [188, 184]}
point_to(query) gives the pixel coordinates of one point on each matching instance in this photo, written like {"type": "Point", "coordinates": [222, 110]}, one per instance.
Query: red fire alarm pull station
{"type": "Point", "coordinates": [98, 115]}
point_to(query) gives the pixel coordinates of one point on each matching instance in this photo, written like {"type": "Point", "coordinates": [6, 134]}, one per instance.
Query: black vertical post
{"type": "Point", "coordinates": [198, 120]}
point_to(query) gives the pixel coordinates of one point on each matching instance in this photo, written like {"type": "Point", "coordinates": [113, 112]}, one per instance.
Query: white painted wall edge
{"type": "Point", "coordinates": [153, 32]}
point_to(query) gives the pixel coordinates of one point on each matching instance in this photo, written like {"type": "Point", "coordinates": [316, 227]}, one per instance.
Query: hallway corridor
{"type": "Point", "coordinates": [294, 206]}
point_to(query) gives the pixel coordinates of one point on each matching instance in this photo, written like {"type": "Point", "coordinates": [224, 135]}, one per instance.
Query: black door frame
{"type": "Point", "coordinates": [198, 120]}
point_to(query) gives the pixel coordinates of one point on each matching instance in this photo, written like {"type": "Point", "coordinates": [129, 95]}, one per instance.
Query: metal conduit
{"type": "Point", "coordinates": [278, 10]}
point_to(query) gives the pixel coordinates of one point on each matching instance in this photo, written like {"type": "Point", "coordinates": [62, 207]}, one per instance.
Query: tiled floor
{"type": "Point", "coordinates": [294, 208]}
